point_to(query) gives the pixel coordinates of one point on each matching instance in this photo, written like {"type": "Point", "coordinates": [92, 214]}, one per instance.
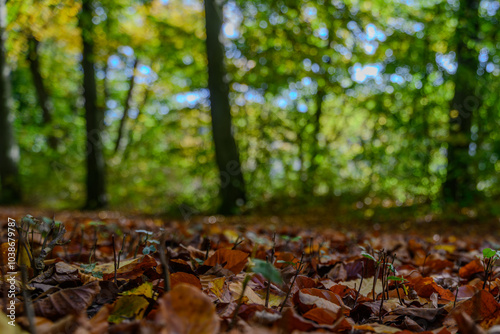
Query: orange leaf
{"type": "Point", "coordinates": [425, 287]}
{"type": "Point", "coordinates": [233, 260]}
{"type": "Point", "coordinates": [326, 317]}
{"type": "Point", "coordinates": [470, 269]}
{"type": "Point", "coordinates": [482, 307]}
{"type": "Point", "coordinates": [178, 278]}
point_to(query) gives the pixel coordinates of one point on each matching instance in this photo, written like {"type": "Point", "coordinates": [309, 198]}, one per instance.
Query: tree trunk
{"type": "Point", "coordinates": [459, 186]}
{"type": "Point", "coordinates": [232, 186]}
{"type": "Point", "coordinates": [315, 148]}
{"type": "Point", "coordinates": [126, 107]}
{"type": "Point", "coordinates": [95, 182]}
{"type": "Point", "coordinates": [9, 150]}
{"type": "Point", "coordinates": [41, 91]}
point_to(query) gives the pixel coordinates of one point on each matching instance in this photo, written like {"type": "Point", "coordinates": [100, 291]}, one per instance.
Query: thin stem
{"type": "Point", "coordinates": [360, 284]}
{"type": "Point", "coordinates": [164, 259]}
{"type": "Point", "coordinates": [240, 301]}
{"type": "Point", "coordinates": [299, 269]}
{"type": "Point", "coordinates": [114, 255]}
{"type": "Point", "coordinates": [28, 305]}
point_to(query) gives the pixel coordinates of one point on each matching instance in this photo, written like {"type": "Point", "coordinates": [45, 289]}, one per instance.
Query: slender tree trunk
{"type": "Point", "coordinates": [313, 167]}
{"type": "Point", "coordinates": [41, 91]}
{"type": "Point", "coordinates": [232, 187]}
{"type": "Point", "coordinates": [9, 150]}
{"type": "Point", "coordinates": [95, 182]}
{"type": "Point", "coordinates": [459, 185]}
{"type": "Point", "coordinates": [126, 107]}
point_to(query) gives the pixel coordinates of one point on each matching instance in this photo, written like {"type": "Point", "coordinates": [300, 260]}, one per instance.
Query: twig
{"type": "Point", "coordinates": [299, 269]}
{"type": "Point", "coordinates": [383, 286]}
{"type": "Point", "coordinates": [81, 244]}
{"type": "Point", "coordinates": [28, 305]}
{"type": "Point", "coordinates": [114, 255]}
{"type": "Point", "coordinates": [268, 291]}
{"type": "Point", "coordinates": [121, 250]}
{"type": "Point", "coordinates": [164, 263]}
{"type": "Point", "coordinates": [208, 244]}
{"type": "Point", "coordinates": [92, 251]}
{"type": "Point", "coordinates": [360, 284]}
{"type": "Point", "coordinates": [238, 242]}
{"type": "Point", "coordinates": [240, 301]}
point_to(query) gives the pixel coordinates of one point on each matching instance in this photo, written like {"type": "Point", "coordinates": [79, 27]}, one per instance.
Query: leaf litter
{"type": "Point", "coordinates": [250, 278]}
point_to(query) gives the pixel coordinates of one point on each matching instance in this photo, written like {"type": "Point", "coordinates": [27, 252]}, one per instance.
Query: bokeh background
{"type": "Point", "coordinates": [370, 107]}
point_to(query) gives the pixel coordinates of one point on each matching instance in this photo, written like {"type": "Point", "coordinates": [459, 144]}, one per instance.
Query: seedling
{"type": "Point", "coordinates": [398, 280]}
{"type": "Point", "coordinates": [151, 247]}
{"type": "Point", "coordinates": [489, 258]}
{"type": "Point", "coordinates": [387, 268]}
{"type": "Point", "coordinates": [143, 242]}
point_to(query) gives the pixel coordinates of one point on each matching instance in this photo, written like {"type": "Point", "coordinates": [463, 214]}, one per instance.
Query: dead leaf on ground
{"type": "Point", "coordinates": [185, 309]}
{"type": "Point", "coordinates": [67, 301]}
{"type": "Point", "coordinates": [233, 260]}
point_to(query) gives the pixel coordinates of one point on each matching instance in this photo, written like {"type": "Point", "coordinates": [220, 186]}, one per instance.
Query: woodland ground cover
{"type": "Point", "coordinates": [239, 275]}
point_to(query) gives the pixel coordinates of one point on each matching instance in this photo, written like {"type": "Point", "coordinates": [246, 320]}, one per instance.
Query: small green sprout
{"type": "Point", "coordinates": [490, 256]}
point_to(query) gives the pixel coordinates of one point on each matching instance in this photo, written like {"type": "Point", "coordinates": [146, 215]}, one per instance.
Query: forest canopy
{"type": "Point", "coordinates": [175, 105]}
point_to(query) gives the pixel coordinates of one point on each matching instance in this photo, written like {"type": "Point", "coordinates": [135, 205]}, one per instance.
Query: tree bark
{"type": "Point", "coordinates": [40, 88]}
{"type": "Point", "coordinates": [315, 148]}
{"type": "Point", "coordinates": [232, 186]}
{"type": "Point", "coordinates": [126, 107]}
{"type": "Point", "coordinates": [95, 180]}
{"type": "Point", "coordinates": [9, 150]}
{"type": "Point", "coordinates": [459, 185]}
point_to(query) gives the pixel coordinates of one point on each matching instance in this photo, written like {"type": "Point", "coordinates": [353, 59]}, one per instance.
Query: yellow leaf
{"type": "Point", "coordinates": [128, 308]}
{"type": "Point", "coordinates": [145, 289]}
{"type": "Point", "coordinates": [250, 297]}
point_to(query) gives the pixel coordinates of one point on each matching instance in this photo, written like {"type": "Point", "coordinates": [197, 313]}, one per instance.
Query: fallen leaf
{"type": "Point", "coordinates": [185, 309]}
{"type": "Point", "coordinates": [471, 268]}
{"type": "Point", "coordinates": [145, 289]}
{"type": "Point", "coordinates": [233, 260]}
{"type": "Point", "coordinates": [129, 307]}
{"type": "Point", "coordinates": [306, 299]}
{"type": "Point", "coordinates": [179, 277]}
{"type": "Point", "coordinates": [250, 297]}
{"type": "Point", "coordinates": [128, 269]}
{"type": "Point", "coordinates": [67, 301]}
{"type": "Point", "coordinates": [327, 317]}
{"type": "Point", "coordinates": [426, 286]}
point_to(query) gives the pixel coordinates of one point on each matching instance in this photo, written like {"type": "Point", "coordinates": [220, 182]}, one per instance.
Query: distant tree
{"type": "Point", "coordinates": [232, 186]}
{"type": "Point", "coordinates": [40, 87]}
{"type": "Point", "coordinates": [459, 184]}
{"type": "Point", "coordinates": [9, 150]}
{"type": "Point", "coordinates": [95, 182]}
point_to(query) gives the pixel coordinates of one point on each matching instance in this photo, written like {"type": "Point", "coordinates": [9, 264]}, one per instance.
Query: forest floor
{"type": "Point", "coordinates": [103, 272]}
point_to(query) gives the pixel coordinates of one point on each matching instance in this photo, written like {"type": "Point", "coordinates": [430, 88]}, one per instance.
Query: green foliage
{"type": "Point", "coordinates": [380, 140]}
{"type": "Point", "coordinates": [489, 253]}
{"type": "Point", "coordinates": [267, 270]}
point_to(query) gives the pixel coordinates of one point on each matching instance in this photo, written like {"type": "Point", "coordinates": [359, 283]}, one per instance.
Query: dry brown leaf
{"type": "Point", "coordinates": [186, 310]}
{"type": "Point", "coordinates": [67, 301]}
